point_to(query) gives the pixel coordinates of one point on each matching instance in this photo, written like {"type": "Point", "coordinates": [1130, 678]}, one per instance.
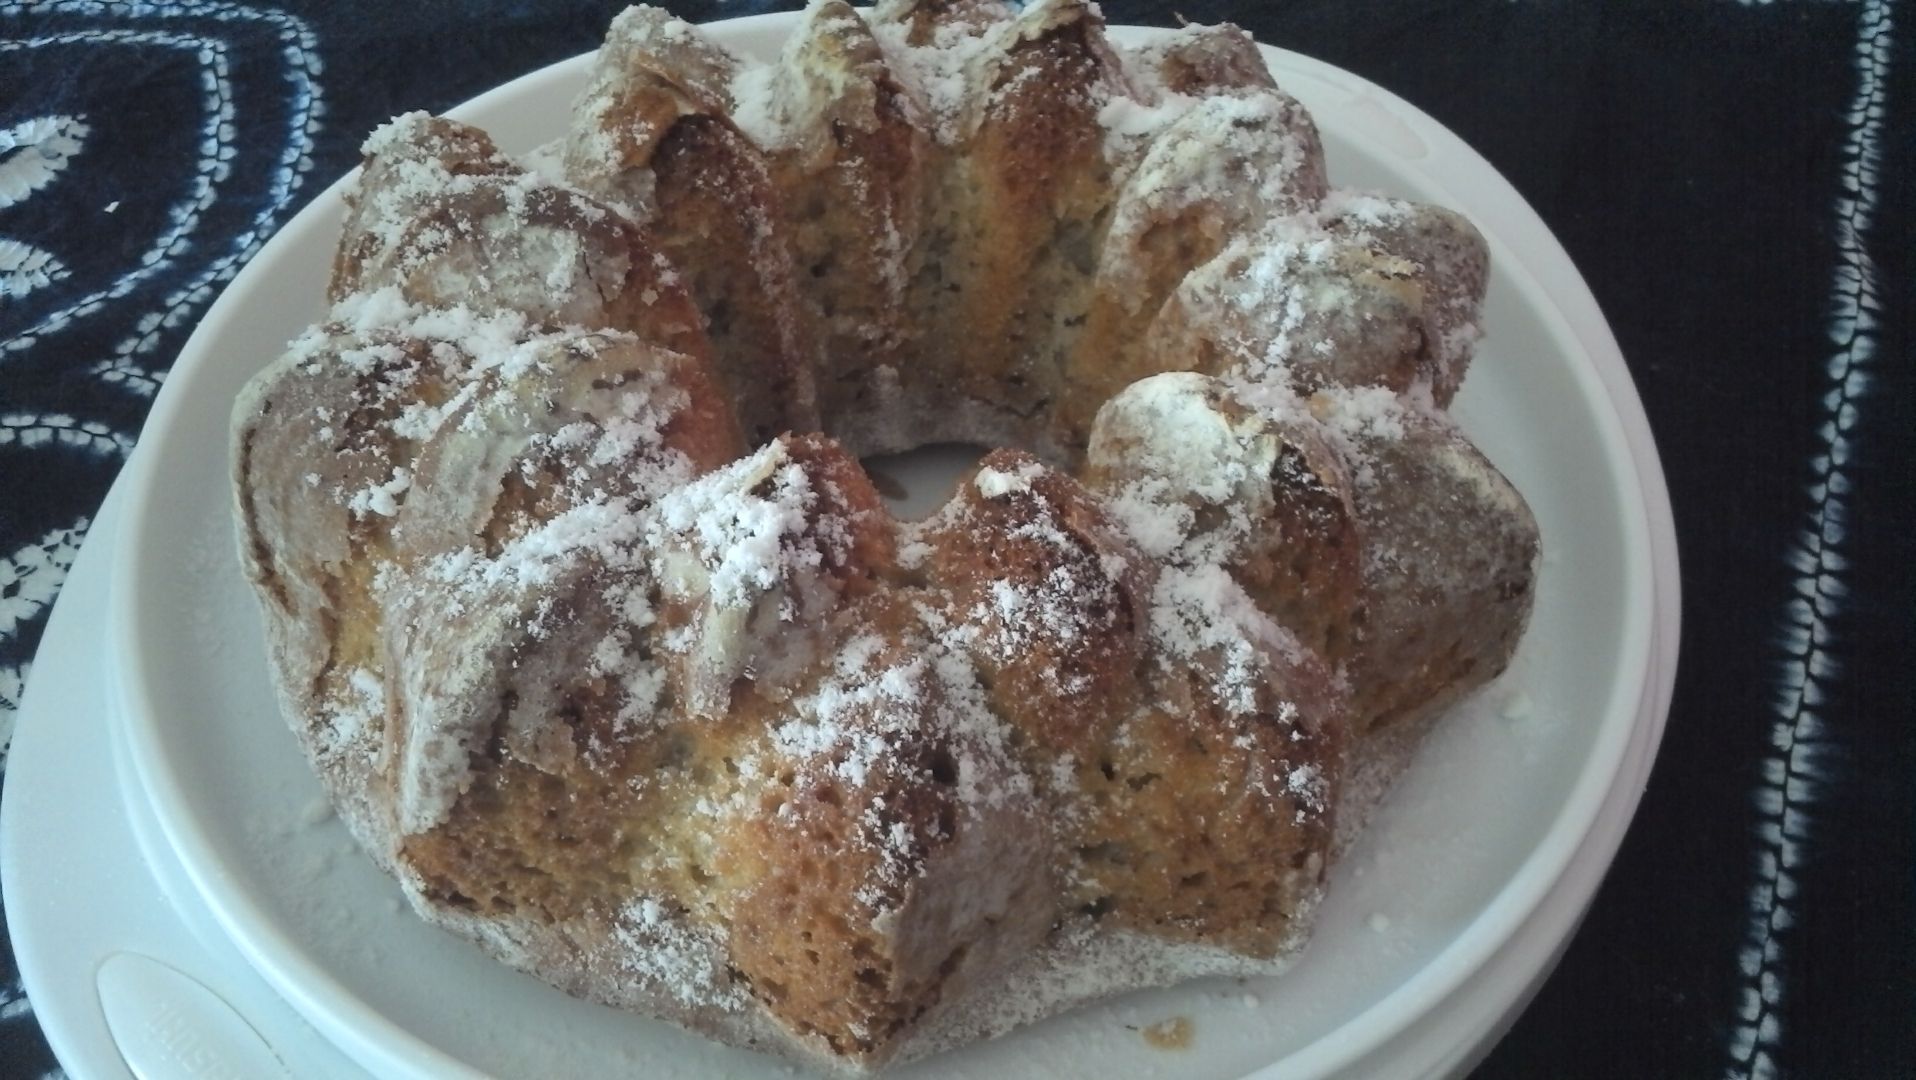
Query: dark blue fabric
{"type": "Point", "coordinates": [1703, 161]}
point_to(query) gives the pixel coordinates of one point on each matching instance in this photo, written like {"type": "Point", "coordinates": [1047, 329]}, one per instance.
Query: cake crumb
{"type": "Point", "coordinates": [1172, 1034]}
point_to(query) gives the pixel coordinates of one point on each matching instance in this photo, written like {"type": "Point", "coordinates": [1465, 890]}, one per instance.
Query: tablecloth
{"type": "Point", "coordinates": [1732, 178]}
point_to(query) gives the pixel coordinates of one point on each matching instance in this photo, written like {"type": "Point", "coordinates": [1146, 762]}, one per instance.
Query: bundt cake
{"type": "Point", "coordinates": [606, 646]}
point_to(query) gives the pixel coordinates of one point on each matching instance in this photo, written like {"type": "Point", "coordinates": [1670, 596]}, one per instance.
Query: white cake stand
{"type": "Point", "coordinates": [178, 904]}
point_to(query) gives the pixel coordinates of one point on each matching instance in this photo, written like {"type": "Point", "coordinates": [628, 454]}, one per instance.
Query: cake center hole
{"type": "Point", "coordinates": [917, 482]}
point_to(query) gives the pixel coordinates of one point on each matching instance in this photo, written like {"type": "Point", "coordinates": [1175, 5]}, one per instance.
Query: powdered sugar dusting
{"type": "Point", "coordinates": [1129, 119]}
{"type": "Point", "coordinates": [382, 499]}
{"type": "Point", "coordinates": [605, 529]}
{"type": "Point", "coordinates": [996, 483]}
{"type": "Point", "coordinates": [395, 349]}
{"type": "Point", "coordinates": [942, 74]}
{"type": "Point", "coordinates": [1361, 412]}
{"type": "Point", "coordinates": [960, 67]}
{"type": "Point", "coordinates": [1231, 161]}
{"type": "Point", "coordinates": [1189, 463]}
{"type": "Point", "coordinates": [353, 721]}
{"type": "Point", "coordinates": [745, 523]}
{"type": "Point", "coordinates": [667, 953]}
{"type": "Point", "coordinates": [820, 73]}
{"type": "Point", "coordinates": [1201, 616]}
{"type": "Point", "coordinates": [756, 106]}
{"type": "Point", "coordinates": [1178, 450]}
{"type": "Point", "coordinates": [430, 186]}
{"type": "Point", "coordinates": [868, 710]}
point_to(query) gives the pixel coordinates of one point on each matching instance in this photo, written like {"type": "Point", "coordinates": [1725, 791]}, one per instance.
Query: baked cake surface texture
{"type": "Point", "coordinates": [605, 646]}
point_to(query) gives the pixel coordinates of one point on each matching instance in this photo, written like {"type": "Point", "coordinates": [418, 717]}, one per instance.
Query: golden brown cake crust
{"type": "Point", "coordinates": [606, 646]}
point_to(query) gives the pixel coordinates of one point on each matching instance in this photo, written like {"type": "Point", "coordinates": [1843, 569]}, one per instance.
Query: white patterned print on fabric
{"type": "Point", "coordinates": [33, 153]}
{"type": "Point", "coordinates": [24, 268]}
{"type": "Point", "coordinates": [216, 154]}
{"type": "Point", "coordinates": [299, 51]}
{"type": "Point", "coordinates": [1795, 769]}
{"type": "Point", "coordinates": [53, 429]}
{"type": "Point", "coordinates": [185, 216]}
{"type": "Point", "coordinates": [29, 580]}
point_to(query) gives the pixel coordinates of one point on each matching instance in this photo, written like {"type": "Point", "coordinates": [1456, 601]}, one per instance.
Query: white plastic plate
{"type": "Point", "coordinates": [1472, 846]}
